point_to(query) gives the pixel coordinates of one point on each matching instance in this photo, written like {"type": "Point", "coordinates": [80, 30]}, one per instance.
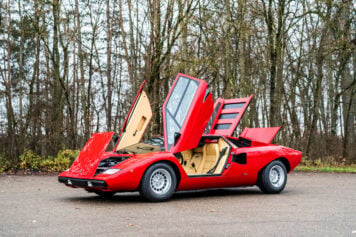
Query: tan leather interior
{"type": "Point", "coordinates": [142, 148]}
{"type": "Point", "coordinates": [211, 155]}
{"type": "Point", "coordinates": [222, 144]}
{"type": "Point", "coordinates": [200, 160]}
{"type": "Point", "coordinates": [137, 123]}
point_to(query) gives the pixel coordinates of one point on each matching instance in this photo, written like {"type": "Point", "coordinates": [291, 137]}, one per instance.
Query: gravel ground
{"type": "Point", "coordinates": [313, 204]}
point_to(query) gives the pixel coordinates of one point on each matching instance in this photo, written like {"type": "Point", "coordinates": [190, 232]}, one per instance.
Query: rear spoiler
{"type": "Point", "coordinates": [264, 135]}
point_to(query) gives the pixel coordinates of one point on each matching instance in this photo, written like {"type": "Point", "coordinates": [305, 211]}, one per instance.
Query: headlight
{"type": "Point", "coordinates": [111, 171]}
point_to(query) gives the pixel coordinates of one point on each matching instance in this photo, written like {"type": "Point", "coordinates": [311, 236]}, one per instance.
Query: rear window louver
{"type": "Point", "coordinates": [228, 113]}
{"type": "Point", "coordinates": [222, 126]}
{"type": "Point", "coordinates": [228, 116]}
{"type": "Point", "coordinates": [234, 105]}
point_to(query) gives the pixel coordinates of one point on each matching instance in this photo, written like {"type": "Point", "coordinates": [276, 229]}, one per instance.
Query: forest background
{"type": "Point", "coordinates": [71, 68]}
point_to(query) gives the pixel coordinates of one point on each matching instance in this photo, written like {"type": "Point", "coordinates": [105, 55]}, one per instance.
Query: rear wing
{"type": "Point", "coordinates": [264, 135]}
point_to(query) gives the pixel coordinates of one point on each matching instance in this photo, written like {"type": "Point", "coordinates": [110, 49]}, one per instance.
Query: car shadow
{"type": "Point", "coordinates": [134, 197]}
{"type": "Point", "coordinates": [207, 193]}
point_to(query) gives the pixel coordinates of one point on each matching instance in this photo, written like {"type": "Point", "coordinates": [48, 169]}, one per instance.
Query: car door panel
{"type": "Point", "coordinates": [186, 112]}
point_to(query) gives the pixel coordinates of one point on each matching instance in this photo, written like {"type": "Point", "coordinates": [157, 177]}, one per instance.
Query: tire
{"type": "Point", "coordinates": [158, 183]}
{"type": "Point", "coordinates": [273, 178]}
{"type": "Point", "coordinates": [104, 194]}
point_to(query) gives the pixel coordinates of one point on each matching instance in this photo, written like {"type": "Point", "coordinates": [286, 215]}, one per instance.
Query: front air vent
{"type": "Point", "coordinates": [108, 163]}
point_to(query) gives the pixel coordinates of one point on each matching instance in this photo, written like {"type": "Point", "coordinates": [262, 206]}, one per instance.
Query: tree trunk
{"type": "Point", "coordinates": [11, 124]}
{"type": "Point", "coordinates": [83, 95]}
{"type": "Point", "coordinates": [108, 67]}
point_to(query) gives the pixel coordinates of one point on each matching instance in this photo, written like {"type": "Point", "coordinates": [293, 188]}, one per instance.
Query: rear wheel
{"type": "Point", "coordinates": [273, 178]}
{"type": "Point", "coordinates": [158, 183]}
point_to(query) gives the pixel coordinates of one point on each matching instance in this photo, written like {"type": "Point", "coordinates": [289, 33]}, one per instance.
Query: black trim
{"type": "Point", "coordinates": [241, 142]}
{"type": "Point", "coordinates": [177, 135]}
{"type": "Point", "coordinates": [240, 158]}
{"type": "Point", "coordinates": [212, 137]}
{"type": "Point", "coordinates": [83, 182]}
{"type": "Point", "coordinates": [203, 175]}
{"type": "Point", "coordinates": [207, 93]}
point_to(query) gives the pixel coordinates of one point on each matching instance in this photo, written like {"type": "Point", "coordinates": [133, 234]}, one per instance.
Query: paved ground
{"type": "Point", "coordinates": [311, 205]}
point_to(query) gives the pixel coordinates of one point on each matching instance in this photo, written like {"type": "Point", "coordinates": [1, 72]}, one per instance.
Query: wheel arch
{"type": "Point", "coordinates": [171, 164]}
{"type": "Point", "coordinates": [282, 159]}
{"type": "Point", "coordinates": [285, 162]}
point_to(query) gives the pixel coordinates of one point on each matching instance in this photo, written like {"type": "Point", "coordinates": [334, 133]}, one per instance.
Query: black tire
{"type": "Point", "coordinates": [158, 183]}
{"type": "Point", "coordinates": [104, 194]}
{"type": "Point", "coordinates": [273, 178]}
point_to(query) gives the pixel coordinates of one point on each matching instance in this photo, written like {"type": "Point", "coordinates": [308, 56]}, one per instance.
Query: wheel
{"type": "Point", "coordinates": [104, 194]}
{"type": "Point", "coordinates": [273, 178]}
{"type": "Point", "coordinates": [158, 183]}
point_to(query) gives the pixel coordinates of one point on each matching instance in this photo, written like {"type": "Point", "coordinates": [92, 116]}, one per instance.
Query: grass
{"type": "Point", "coordinates": [330, 169]}
{"type": "Point", "coordinates": [328, 164]}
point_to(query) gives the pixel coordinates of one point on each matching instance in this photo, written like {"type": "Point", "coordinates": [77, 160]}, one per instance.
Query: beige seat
{"type": "Point", "coordinates": [210, 157]}
{"type": "Point", "coordinates": [192, 160]}
{"type": "Point", "coordinates": [200, 160]}
{"type": "Point", "coordinates": [222, 144]}
{"type": "Point", "coordinates": [187, 156]}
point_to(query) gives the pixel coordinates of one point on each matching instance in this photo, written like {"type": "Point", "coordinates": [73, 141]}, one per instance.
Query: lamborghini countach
{"type": "Point", "coordinates": [196, 151]}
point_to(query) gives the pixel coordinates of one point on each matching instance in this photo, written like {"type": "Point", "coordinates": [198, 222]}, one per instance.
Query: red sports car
{"type": "Point", "coordinates": [196, 152]}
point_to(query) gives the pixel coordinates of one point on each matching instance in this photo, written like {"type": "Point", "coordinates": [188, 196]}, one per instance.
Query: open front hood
{"type": "Point", "coordinates": [89, 157]}
{"type": "Point", "coordinates": [186, 112]}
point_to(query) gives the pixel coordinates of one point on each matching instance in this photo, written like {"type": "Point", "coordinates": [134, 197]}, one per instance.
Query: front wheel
{"type": "Point", "coordinates": [273, 178]}
{"type": "Point", "coordinates": [158, 183]}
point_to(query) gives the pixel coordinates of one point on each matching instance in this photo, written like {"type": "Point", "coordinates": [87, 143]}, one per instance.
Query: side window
{"type": "Point", "coordinates": [178, 106]}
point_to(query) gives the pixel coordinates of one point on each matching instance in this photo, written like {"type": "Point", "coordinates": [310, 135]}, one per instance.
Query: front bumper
{"type": "Point", "coordinates": [83, 183]}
